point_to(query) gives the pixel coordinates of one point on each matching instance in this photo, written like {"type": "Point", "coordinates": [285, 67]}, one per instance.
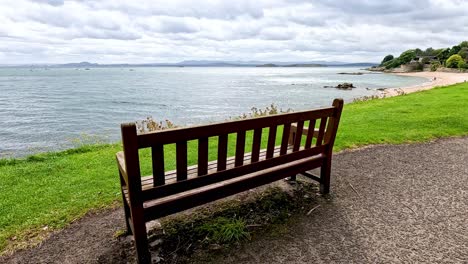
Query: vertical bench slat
{"type": "Point", "coordinates": [181, 160]}
{"type": "Point", "coordinates": [271, 142]}
{"type": "Point", "coordinates": [323, 122]}
{"type": "Point", "coordinates": [222, 151]}
{"type": "Point", "coordinates": [298, 138]}
{"type": "Point", "coordinates": [157, 158]}
{"type": "Point", "coordinates": [202, 156]}
{"type": "Point", "coordinates": [285, 139]}
{"type": "Point", "coordinates": [257, 138]}
{"type": "Point", "coordinates": [240, 149]}
{"type": "Point", "coordinates": [310, 134]}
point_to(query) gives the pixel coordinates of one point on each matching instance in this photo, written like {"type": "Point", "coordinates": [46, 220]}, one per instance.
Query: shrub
{"type": "Point", "coordinates": [419, 66]}
{"type": "Point", "coordinates": [150, 125]}
{"type": "Point", "coordinates": [462, 65]}
{"type": "Point", "coordinates": [454, 61]}
{"type": "Point", "coordinates": [435, 65]}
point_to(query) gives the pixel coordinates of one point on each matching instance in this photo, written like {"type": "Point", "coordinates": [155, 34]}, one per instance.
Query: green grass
{"type": "Point", "coordinates": [53, 189]}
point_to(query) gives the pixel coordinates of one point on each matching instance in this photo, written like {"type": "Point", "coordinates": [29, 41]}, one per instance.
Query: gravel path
{"type": "Point", "coordinates": [409, 205]}
{"type": "Point", "coordinates": [390, 204]}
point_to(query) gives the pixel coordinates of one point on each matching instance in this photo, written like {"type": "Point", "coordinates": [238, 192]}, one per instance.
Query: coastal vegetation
{"type": "Point", "coordinates": [47, 191]}
{"type": "Point", "coordinates": [454, 57]}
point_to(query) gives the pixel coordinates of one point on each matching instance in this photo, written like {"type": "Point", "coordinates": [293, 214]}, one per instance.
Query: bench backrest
{"type": "Point", "coordinates": [132, 142]}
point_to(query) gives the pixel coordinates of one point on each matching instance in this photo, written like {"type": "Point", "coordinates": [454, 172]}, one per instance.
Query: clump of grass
{"type": "Point", "coordinates": [368, 98]}
{"type": "Point", "coordinates": [224, 230]}
{"type": "Point", "coordinates": [259, 112]}
{"type": "Point", "coordinates": [150, 125]}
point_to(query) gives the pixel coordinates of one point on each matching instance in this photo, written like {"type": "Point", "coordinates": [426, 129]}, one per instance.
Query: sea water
{"type": "Point", "coordinates": [44, 109]}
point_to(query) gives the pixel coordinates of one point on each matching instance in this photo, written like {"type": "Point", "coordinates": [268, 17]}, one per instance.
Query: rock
{"type": "Point", "coordinates": [155, 224]}
{"type": "Point", "coordinates": [381, 89]}
{"type": "Point", "coordinates": [345, 86]}
{"type": "Point", "coordinates": [156, 243]}
{"type": "Point", "coordinates": [351, 73]}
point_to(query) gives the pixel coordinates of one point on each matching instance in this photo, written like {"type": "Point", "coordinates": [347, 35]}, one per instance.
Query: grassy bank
{"type": "Point", "coordinates": [47, 191]}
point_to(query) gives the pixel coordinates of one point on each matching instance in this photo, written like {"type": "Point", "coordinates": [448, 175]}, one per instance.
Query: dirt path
{"type": "Point", "coordinates": [409, 205]}
{"type": "Point", "coordinates": [391, 204]}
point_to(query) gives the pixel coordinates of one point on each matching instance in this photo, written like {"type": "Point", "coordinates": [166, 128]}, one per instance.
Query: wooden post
{"type": "Point", "coordinates": [132, 164]}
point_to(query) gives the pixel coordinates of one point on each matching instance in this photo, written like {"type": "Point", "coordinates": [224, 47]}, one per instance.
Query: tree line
{"type": "Point", "coordinates": [454, 57]}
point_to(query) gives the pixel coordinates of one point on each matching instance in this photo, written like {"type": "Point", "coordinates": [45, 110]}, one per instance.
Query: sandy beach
{"type": "Point", "coordinates": [434, 79]}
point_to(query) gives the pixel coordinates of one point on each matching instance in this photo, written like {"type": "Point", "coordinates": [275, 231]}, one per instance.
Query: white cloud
{"type": "Point", "coordinates": [114, 31]}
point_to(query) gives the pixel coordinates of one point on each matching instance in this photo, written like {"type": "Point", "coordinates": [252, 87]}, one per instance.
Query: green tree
{"type": "Point", "coordinates": [392, 63]}
{"type": "Point", "coordinates": [418, 52]}
{"type": "Point", "coordinates": [387, 58]}
{"type": "Point", "coordinates": [464, 44]}
{"type": "Point", "coordinates": [407, 56]}
{"type": "Point", "coordinates": [463, 53]}
{"type": "Point", "coordinates": [454, 61]}
{"type": "Point", "coordinates": [454, 50]}
{"type": "Point", "coordinates": [443, 55]}
{"type": "Point", "coordinates": [429, 52]}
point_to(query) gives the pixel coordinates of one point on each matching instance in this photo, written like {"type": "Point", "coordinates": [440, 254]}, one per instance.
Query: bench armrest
{"type": "Point", "coordinates": [121, 164]}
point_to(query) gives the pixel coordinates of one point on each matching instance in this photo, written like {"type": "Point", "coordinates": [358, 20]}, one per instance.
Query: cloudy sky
{"type": "Point", "coordinates": [117, 31]}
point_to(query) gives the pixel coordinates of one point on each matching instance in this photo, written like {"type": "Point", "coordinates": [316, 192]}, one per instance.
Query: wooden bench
{"type": "Point", "coordinates": [166, 192]}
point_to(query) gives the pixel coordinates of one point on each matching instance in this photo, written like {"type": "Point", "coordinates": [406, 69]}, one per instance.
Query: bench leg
{"type": "Point", "coordinates": [325, 176]}
{"type": "Point", "coordinates": [293, 178]}
{"type": "Point", "coordinates": [125, 205]}
{"type": "Point", "coordinates": [140, 237]}
{"type": "Point", "coordinates": [127, 218]}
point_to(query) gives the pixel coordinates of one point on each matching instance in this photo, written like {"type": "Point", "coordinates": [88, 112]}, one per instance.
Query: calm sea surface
{"type": "Point", "coordinates": [47, 109]}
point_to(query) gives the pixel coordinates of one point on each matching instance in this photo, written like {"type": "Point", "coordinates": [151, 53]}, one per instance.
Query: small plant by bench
{"type": "Point", "coordinates": [166, 192]}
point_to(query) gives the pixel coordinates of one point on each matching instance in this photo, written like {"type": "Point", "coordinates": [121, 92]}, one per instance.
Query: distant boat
{"type": "Point", "coordinates": [87, 69]}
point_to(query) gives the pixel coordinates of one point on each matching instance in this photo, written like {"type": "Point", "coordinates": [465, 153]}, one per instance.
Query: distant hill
{"type": "Point", "coordinates": [291, 65]}
{"type": "Point", "coordinates": [80, 64]}
{"type": "Point", "coordinates": [209, 63]}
